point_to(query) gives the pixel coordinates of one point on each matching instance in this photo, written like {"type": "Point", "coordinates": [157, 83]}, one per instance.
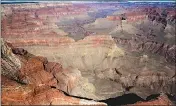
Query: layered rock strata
{"type": "Point", "coordinates": [97, 67]}
{"type": "Point", "coordinates": [147, 45]}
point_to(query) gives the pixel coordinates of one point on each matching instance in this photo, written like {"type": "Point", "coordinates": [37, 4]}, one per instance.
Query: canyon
{"type": "Point", "coordinates": [83, 54]}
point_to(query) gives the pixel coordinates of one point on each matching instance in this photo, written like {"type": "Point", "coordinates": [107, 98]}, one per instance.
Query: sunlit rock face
{"type": "Point", "coordinates": [87, 58]}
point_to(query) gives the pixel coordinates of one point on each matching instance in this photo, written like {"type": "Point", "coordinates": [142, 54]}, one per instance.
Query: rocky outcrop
{"type": "Point", "coordinates": [14, 93]}
{"type": "Point", "coordinates": [10, 64]}
{"type": "Point", "coordinates": [33, 73]}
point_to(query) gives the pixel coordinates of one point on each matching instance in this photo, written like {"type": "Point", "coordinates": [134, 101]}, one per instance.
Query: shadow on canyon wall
{"type": "Point", "coordinates": [132, 98]}
{"type": "Point", "coordinates": [123, 100]}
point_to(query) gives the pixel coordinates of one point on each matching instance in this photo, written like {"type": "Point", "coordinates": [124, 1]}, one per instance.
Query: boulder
{"type": "Point", "coordinates": [19, 51]}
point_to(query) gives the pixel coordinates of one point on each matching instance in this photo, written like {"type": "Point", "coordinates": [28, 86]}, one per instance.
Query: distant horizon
{"type": "Point", "coordinates": [86, 1]}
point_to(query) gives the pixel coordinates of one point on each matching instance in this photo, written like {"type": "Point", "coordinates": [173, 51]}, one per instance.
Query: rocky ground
{"type": "Point", "coordinates": [45, 64]}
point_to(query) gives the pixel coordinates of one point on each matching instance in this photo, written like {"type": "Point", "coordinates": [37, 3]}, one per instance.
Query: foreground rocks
{"type": "Point", "coordinates": [14, 93]}
{"type": "Point", "coordinates": [36, 78]}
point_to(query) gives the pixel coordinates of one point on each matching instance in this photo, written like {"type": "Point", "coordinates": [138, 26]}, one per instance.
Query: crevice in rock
{"type": "Point", "coordinates": [116, 70]}
{"type": "Point", "coordinates": [20, 82]}
{"type": "Point", "coordinates": [53, 87]}
{"type": "Point", "coordinates": [73, 96]}
{"type": "Point", "coordinates": [152, 97]}
{"type": "Point", "coordinates": [77, 96]}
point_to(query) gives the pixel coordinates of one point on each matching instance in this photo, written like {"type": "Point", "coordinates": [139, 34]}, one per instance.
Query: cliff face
{"type": "Point", "coordinates": [10, 64]}
{"type": "Point", "coordinates": [146, 45]}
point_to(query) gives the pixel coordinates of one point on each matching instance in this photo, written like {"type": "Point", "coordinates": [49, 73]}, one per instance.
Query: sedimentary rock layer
{"type": "Point", "coordinates": [146, 45]}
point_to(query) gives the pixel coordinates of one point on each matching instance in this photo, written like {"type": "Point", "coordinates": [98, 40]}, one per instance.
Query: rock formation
{"type": "Point", "coordinates": [42, 65]}
{"type": "Point", "coordinates": [9, 62]}
{"type": "Point", "coordinates": [147, 45]}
